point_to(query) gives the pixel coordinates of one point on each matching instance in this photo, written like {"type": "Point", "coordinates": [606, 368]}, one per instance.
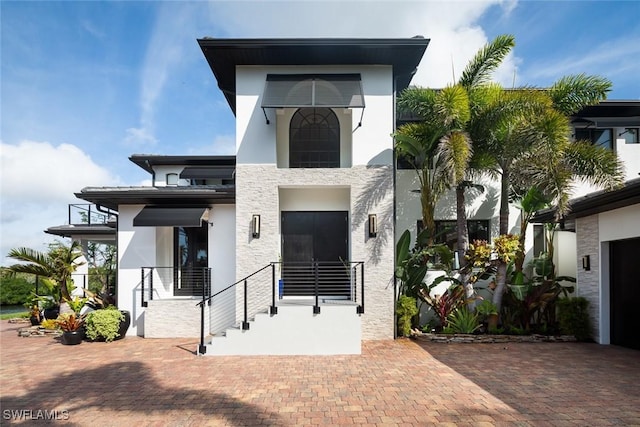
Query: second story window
{"type": "Point", "coordinates": [630, 135]}
{"type": "Point", "coordinates": [314, 139]}
{"type": "Point", "coordinates": [600, 137]}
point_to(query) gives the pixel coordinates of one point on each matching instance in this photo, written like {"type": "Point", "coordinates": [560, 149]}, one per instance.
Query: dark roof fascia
{"type": "Point", "coordinates": [614, 108]}
{"type": "Point", "coordinates": [595, 203]}
{"type": "Point", "coordinates": [224, 55]}
{"type": "Point", "coordinates": [148, 161]}
{"type": "Point", "coordinates": [112, 197]}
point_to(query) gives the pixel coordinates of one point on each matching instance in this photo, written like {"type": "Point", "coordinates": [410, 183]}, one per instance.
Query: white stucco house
{"type": "Point", "coordinates": [286, 247]}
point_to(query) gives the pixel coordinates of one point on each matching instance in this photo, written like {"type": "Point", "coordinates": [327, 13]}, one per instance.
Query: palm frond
{"type": "Point", "coordinates": [486, 60]}
{"type": "Point", "coordinates": [596, 165]}
{"type": "Point", "coordinates": [452, 107]}
{"type": "Point", "coordinates": [572, 93]}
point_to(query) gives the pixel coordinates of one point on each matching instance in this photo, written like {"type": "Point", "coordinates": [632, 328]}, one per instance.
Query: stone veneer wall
{"type": "Point", "coordinates": [588, 282]}
{"type": "Point", "coordinates": [371, 191]}
{"type": "Point", "coordinates": [173, 318]}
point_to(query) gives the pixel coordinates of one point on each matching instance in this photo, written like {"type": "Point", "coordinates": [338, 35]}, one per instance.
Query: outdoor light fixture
{"type": "Point", "coordinates": [586, 263]}
{"type": "Point", "coordinates": [373, 225]}
{"type": "Point", "coordinates": [255, 226]}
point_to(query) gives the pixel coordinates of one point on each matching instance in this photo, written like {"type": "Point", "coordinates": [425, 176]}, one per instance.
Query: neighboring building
{"type": "Point", "coordinates": [307, 211]}
{"type": "Point", "coordinates": [601, 236]}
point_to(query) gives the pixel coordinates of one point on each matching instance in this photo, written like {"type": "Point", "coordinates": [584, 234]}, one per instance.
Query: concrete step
{"type": "Point", "coordinates": [295, 330]}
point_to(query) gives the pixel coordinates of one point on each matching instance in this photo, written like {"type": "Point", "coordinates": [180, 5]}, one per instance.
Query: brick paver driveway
{"type": "Point", "coordinates": [138, 381]}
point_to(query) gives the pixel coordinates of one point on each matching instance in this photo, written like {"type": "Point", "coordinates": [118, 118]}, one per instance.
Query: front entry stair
{"type": "Point", "coordinates": [295, 330]}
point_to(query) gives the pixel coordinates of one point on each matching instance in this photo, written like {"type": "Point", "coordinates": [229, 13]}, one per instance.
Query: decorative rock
{"type": "Point", "coordinates": [37, 331]}
{"type": "Point", "coordinates": [491, 339]}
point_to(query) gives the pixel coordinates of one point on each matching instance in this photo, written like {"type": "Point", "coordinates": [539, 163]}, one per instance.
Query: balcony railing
{"type": "Point", "coordinates": [89, 214]}
{"type": "Point", "coordinates": [168, 282]}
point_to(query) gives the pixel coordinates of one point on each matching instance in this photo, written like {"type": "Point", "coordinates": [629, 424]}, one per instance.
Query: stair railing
{"type": "Point", "coordinates": [202, 349]}
{"type": "Point", "coordinates": [322, 278]}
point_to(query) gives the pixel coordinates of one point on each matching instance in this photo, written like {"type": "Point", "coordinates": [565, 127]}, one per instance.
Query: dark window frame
{"type": "Point", "coordinates": [595, 136]}
{"type": "Point", "coordinates": [473, 225]}
{"type": "Point", "coordinates": [631, 135]}
{"type": "Point", "coordinates": [314, 138]}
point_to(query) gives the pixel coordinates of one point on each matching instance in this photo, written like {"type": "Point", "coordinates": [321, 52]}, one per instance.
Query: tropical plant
{"type": "Point", "coordinates": [50, 324]}
{"type": "Point", "coordinates": [526, 134]}
{"type": "Point", "coordinates": [54, 267]}
{"type": "Point", "coordinates": [573, 315]}
{"type": "Point", "coordinates": [103, 324]}
{"type": "Point", "coordinates": [476, 77]}
{"type": "Point", "coordinates": [437, 147]}
{"type": "Point", "coordinates": [486, 308]}
{"type": "Point", "coordinates": [76, 303]}
{"type": "Point", "coordinates": [406, 308]}
{"type": "Point", "coordinates": [462, 321]}
{"type": "Point", "coordinates": [69, 322]}
{"type": "Point", "coordinates": [443, 305]}
{"type": "Point", "coordinates": [506, 248]}
{"type": "Point", "coordinates": [410, 269]}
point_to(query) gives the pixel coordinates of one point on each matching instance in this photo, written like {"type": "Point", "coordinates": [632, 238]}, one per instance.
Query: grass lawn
{"type": "Point", "coordinates": [6, 316]}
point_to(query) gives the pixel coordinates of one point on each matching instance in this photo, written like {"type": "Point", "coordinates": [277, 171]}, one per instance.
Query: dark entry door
{"type": "Point", "coordinates": [315, 253]}
{"type": "Point", "coordinates": [625, 292]}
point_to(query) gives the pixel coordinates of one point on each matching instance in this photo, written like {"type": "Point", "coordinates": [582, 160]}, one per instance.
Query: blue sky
{"type": "Point", "coordinates": [86, 84]}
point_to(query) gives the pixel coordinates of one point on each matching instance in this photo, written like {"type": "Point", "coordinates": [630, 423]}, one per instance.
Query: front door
{"type": "Point", "coordinates": [191, 260]}
{"type": "Point", "coordinates": [315, 254]}
{"type": "Point", "coordinates": [625, 293]}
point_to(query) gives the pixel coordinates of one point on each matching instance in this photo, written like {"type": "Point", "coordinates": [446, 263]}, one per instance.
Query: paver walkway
{"type": "Point", "coordinates": [161, 382]}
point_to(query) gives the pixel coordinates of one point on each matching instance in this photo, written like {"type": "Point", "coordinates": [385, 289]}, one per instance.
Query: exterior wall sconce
{"type": "Point", "coordinates": [255, 226]}
{"type": "Point", "coordinates": [373, 225]}
{"type": "Point", "coordinates": [586, 263]}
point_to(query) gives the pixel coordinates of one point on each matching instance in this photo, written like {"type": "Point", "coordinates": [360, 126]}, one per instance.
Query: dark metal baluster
{"type": "Point", "coordinates": [245, 323]}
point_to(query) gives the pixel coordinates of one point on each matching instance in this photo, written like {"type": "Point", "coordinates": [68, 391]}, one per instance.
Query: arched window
{"type": "Point", "coordinates": [314, 139]}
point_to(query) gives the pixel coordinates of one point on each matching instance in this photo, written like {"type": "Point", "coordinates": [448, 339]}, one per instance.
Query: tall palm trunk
{"type": "Point", "coordinates": [501, 274]}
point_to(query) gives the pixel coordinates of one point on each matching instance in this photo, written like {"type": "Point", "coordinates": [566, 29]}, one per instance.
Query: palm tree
{"type": "Point", "coordinates": [526, 134]}
{"type": "Point", "coordinates": [474, 80]}
{"type": "Point", "coordinates": [56, 265]}
{"type": "Point", "coordinates": [436, 147]}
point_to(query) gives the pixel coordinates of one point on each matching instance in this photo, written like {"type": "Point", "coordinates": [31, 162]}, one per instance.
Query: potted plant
{"type": "Point", "coordinates": [105, 324]}
{"type": "Point", "coordinates": [72, 330]}
{"type": "Point", "coordinates": [34, 313]}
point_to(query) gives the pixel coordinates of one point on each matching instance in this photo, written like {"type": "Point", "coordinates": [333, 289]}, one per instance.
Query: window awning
{"type": "Point", "coordinates": [153, 216]}
{"type": "Point", "coordinates": [206, 173]}
{"type": "Point", "coordinates": [313, 90]}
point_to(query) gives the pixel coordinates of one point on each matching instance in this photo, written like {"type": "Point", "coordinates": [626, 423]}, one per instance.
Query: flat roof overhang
{"type": "Point", "coordinates": [112, 197]}
{"type": "Point", "coordinates": [595, 203]}
{"type": "Point", "coordinates": [148, 161]}
{"type": "Point", "coordinates": [224, 55]}
{"type": "Point", "coordinates": [614, 113]}
{"type": "Point", "coordinates": [95, 232]}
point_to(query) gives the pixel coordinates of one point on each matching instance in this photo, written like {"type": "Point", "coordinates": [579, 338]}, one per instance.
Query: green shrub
{"type": "Point", "coordinates": [573, 316]}
{"type": "Point", "coordinates": [103, 324]}
{"type": "Point", "coordinates": [15, 290]}
{"type": "Point", "coordinates": [406, 309]}
{"type": "Point", "coordinates": [462, 321]}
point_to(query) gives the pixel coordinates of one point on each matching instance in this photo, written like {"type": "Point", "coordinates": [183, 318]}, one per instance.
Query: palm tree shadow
{"type": "Point", "coordinates": [376, 198]}
{"type": "Point", "coordinates": [128, 387]}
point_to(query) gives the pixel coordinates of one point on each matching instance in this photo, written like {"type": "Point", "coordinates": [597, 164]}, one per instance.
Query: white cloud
{"type": "Point", "coordinates": [452, 27]}
{"type": "Point", "coordinates": [165, 52]}
{"type": "Point", "coordinates": [38, 182]}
